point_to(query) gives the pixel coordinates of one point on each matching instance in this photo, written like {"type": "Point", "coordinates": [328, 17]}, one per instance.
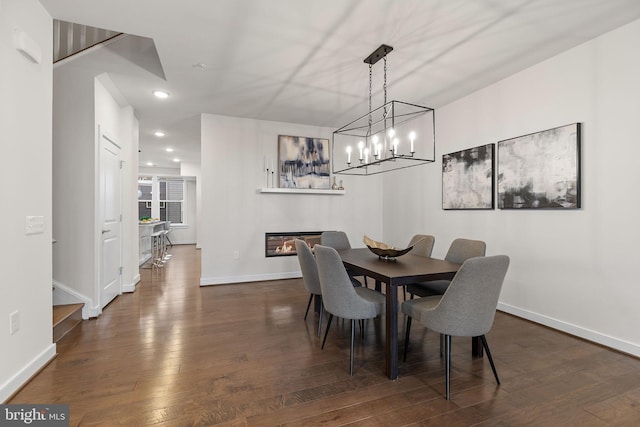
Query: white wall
{"type": "Point", "coordinates": [73, 184]}
{"type": "Point", "coordinates": [235, 216]}
{"type": "Point", "coordinates": [84, 103]}
{"type": "Point", "coordinates": [573, 270]}
{"type": "Point", "coordinates": [130, 249]}
{"type": "Point", "coordinates": [25, 261]}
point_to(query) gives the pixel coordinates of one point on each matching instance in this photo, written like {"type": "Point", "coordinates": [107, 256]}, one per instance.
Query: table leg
{"type": "Point", "coordinates": [391, 343]}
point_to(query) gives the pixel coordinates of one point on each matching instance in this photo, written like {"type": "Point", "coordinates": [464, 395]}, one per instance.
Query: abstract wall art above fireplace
{"type": "Point", "coordinates": [303, 162]}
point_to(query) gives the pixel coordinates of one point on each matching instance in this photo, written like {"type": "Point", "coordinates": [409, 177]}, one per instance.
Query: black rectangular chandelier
{"type": "Point", "coordinates": [396, 135]}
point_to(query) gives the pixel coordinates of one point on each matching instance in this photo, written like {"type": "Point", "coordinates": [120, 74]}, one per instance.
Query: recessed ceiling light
{"type": "Point", "coordinates": [200, 66]}
{"type": "Point", "coordinates": [162, 94]}
{"type": "Point", "coordinates": [176, 160]}
{"type": "Point", "coordinates": [159, 133]}
{"type": "Point", "coordinates": [169, 150]}
{"type": "Point", "coordinates": [149, 164]}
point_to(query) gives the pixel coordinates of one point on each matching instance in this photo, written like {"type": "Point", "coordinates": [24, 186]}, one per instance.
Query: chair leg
{"type": "Point", "coordinates": [486, 348]}
{"type": "Point", "coordinates": [406, 338]}
{"type": "Point", "coordinates": [404, 293]}
{"type": "Point", "coordinates": [447, 364]}
{"type": "Point", "coordinates": [441, 345]}
{"type": "Point", "coordinates": [353, 328]}
{"type": "Point", "coordinates": [308, 305]}
{"type": "Point", "coordinates": [327, 331]}
{"type": "Point", "coordinates": [320, 318]}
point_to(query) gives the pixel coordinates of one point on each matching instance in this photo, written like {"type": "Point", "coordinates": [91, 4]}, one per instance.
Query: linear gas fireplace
{"type": "Point", "coordinates": [281, 244]}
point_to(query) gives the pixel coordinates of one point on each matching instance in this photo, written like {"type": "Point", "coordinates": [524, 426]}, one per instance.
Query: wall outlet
{"type": "Point", "coordinates": [14, 322]}
{"type": "Point", "coordinates": [236, 254]}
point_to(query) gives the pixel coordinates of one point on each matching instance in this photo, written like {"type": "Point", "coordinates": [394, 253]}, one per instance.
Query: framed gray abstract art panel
{"type": "Point", "coordinates": [540, 170]}
{"type": "Point", "coordinates": [467, 178]}
{"type": "Point", "coordinates": [303, 162]}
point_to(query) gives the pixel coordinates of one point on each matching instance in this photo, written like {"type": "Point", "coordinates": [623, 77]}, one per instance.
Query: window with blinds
{"type": "Point", "coordinates": [171, 200]}
{"type": "Point", "coordinates": [144, 198]}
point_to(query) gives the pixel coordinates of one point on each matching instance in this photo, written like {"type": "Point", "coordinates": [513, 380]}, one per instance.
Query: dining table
{"type": "Point", "coordinates": [394, 273]}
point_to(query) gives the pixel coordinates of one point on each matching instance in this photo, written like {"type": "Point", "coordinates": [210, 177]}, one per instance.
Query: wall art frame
{"type": "Point", "coordinates": [303, 162]}
{"type": "Point", "coordinates": [541, 170]}
{"type": "Point", "coordinates": [468, 178]}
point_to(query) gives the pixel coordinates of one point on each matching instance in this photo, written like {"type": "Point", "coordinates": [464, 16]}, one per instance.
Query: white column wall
{"type": "Point", "coordinates": [25, 129]}
{"type": "Point", "coordinates": [573, 270]}
{"type": "Point", "coordinates": [83, 103]}
{"type": "Point", "coordinates": [235, 216]}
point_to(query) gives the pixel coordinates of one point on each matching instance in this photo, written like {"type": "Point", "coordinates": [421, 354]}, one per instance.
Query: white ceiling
{"type": "Point", "coordinates": [301, 61]}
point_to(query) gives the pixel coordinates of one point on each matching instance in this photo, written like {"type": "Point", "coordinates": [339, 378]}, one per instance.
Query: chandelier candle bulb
{"type": "Point", "coordinates": [395, 147]}
{"type": "Point", "coordinates": [412, 137]}
{"type": "Point", "coordinates": [366, 155]}
{"type": "Point", "coordinates": [349, 155]}
{"type": "Point", "coordinates": [360, 146]}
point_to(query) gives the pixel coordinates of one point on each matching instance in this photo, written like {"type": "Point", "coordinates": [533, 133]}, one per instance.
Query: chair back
{"type": "Point", "coordinates": [308, 267]}
{"type": "Point", "coordinates": [468, 306]}
{"type": "Point", "coordinates": [338, 294]}
{"type": "Point", "coordinates": [463, 249]}
{"type": "Point", "coordinates": [335, 239]}
{"type": "Point", "coordinates": [424, 247]}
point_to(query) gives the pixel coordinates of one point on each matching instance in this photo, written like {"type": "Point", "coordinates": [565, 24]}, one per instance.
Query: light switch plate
{"type": "Point", "coordinates": [34, 225]}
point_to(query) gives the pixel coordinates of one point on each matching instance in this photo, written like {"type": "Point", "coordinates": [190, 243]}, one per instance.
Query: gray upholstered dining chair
{"type": "Point", "coordinates": [467, 308]}
{"type": "Point", "coordinates": [335, 239]}
{"type": "Point", "coordinates": [309, 277]}
{"type": "Point", "coordinates": [339, 240]}
{"type": "Point", "coordinates": [341, 298]}
{"type": "Point", "coordinates": [422, 246]}
{"type": "Point", "coordinates": [459, 251]}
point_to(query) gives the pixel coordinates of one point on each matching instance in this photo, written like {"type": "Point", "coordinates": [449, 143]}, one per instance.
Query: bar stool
{"type": "Point", "coordinates": [157, 243]}
{"type": "Point", "coordinates": [168, 229]}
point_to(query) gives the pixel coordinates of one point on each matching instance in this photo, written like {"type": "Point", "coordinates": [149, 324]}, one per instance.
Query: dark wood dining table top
{"type": "Point", "coordinates": [399, 271]}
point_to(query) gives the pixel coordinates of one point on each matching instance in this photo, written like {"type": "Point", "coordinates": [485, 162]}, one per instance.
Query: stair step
{"type": "Point", "coordinates": [65, 318]}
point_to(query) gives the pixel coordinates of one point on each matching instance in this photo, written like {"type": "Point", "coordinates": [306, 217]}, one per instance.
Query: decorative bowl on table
{"type": "Point", "coordinates": [383, 250]}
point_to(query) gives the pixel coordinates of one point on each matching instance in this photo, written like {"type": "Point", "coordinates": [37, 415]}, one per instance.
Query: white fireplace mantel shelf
{"type": "Point", "coordinates": [300, 191]}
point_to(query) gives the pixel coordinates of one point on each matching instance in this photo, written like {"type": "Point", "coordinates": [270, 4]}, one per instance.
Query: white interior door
{"type": "Point", "coordinates": [110, 219]}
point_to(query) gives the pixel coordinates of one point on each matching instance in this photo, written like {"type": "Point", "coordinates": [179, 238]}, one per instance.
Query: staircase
{"type": "Point", "coordinates": [65, 318]}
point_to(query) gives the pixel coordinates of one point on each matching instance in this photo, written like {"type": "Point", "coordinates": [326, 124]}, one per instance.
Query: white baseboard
{"type": "Point", "coordinates": [587, 334]}
{"type": "Point", "coordinates": [28, 371]}
{"type": "Point", "coordinates": [131, 287]}
{"type": "Point", "coordinates": [89, 310]}
{"type": "Point", "coordinates": [207, 281]}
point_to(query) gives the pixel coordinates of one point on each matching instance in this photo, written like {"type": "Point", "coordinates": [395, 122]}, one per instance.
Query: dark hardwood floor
{"type": "Point", "coordinates": [176, 354]}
